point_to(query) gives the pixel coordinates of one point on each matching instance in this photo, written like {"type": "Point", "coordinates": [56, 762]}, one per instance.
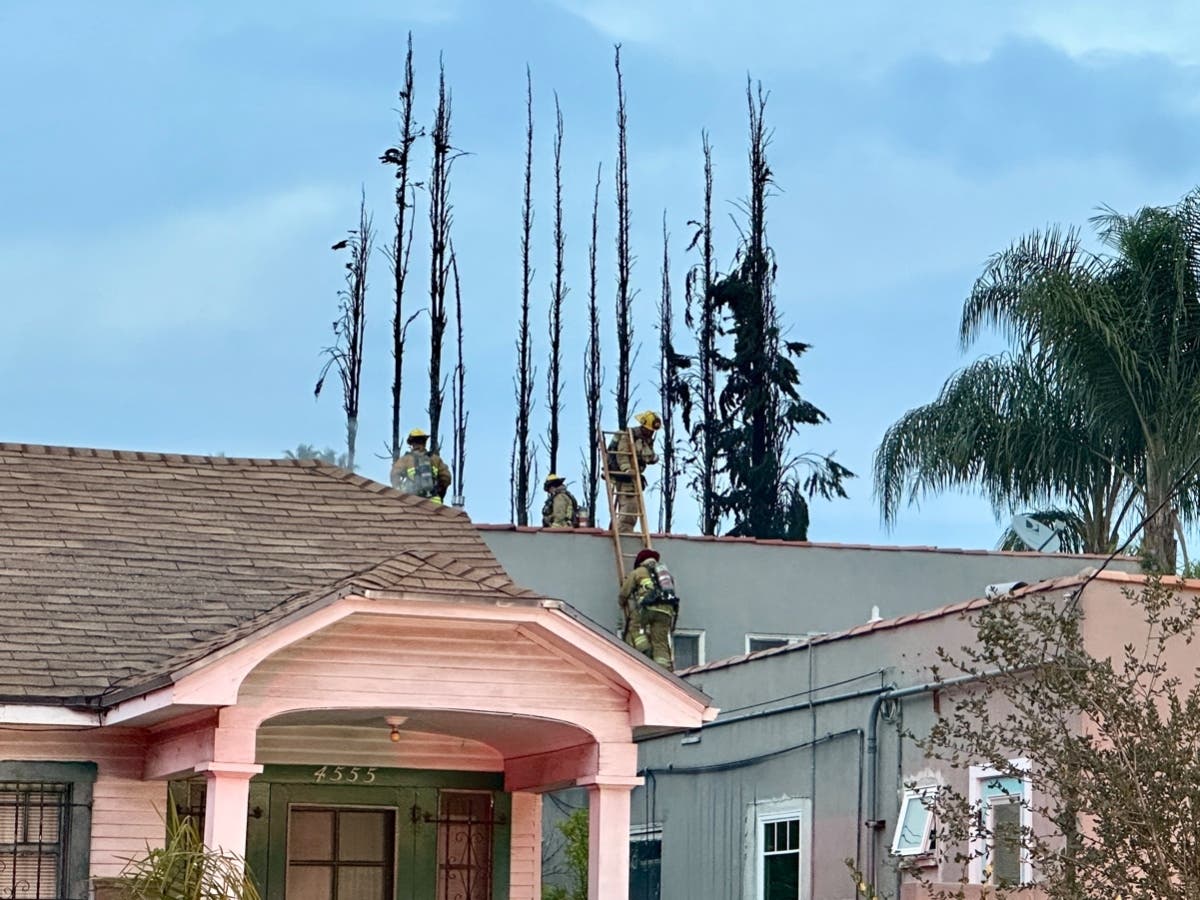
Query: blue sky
{"type": "Point", "coordinates": [173, 176]}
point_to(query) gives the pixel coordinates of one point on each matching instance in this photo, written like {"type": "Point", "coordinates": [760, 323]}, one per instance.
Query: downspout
{"type": "Point", "coordinates": [872, 823]}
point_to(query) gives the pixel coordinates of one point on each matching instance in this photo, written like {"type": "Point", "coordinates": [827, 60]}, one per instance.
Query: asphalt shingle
{"type": "Point", "coordinates": [120, 566]}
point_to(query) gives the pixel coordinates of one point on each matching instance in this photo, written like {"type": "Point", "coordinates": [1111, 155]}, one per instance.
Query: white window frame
{"type": "Point", "coordinates": [698, 633]}
{"type": "Point", "coordinates": [915, 795]}
{"type": "Point", "coordinates": [781, 810]}
{"type": "Point", "coordinates": [979, 846]}
{"type": "Point", "coordinates": [788, 639]}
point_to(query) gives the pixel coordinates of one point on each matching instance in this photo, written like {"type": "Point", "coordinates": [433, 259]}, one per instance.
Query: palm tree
{"type": "Point", "coordinates": [328, 455]}
{"type": "Point", "coordinates": [1096, 406]}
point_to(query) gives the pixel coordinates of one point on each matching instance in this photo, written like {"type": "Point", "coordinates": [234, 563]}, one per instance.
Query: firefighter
{"type": "Point", "coordinates": [420, 472]}
{"type": "Point", "coordinates": [620, 465]}
{"type": "Point", "coordinates": [650, 606]}
{"type": "Point", "coordinates": [561, 509]}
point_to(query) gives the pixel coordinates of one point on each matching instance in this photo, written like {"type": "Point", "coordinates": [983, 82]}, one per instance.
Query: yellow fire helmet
{"type": "Point", "coordinates": [552, 480]}
{"type": "Point", "coordinates": [649, 420]}
{"type": "Point", "coordinates": [417, 435]}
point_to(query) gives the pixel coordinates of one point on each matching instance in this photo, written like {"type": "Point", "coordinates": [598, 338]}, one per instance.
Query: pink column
{"type": "Point", "coordinates": [226, 805]}
{"type": "Point", "coordinates": [525, 861]}
{"type": "Point", "coordinates": [608, 837]}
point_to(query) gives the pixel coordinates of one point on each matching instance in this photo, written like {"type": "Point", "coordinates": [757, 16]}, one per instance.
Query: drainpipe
{"type": "Point", "coordinates": [873, 824]}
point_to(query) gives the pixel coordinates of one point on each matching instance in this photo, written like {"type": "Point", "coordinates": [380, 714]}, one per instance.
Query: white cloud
{"type": "Point", "coordinates": [869, 35]}
{"type": "Point", "coordinates": [197, 268]}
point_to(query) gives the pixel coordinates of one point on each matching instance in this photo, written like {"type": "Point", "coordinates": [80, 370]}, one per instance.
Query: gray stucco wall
{"type": "Point", "coordinates": [703, 794]}
{"type": "Point", "coordinates": [731, 588]}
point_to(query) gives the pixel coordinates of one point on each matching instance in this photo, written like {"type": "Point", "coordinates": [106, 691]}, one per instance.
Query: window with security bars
{"type": "Point", "coordinates": [33, 838]}
{"type": "Point", "coordinates": [466, 822]}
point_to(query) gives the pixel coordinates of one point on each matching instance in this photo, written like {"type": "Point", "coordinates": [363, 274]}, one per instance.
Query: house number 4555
{"type": "Point", "coordinates": [344, 774]}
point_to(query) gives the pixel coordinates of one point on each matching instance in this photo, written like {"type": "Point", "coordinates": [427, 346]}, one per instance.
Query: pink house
{"type": "Point", "coordinates": [341, 681]}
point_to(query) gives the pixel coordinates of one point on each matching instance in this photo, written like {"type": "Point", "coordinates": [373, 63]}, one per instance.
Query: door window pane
{"type": "Point", "coordinates": [310, 883]}
{"type": "Point", "coordinates": [360, 883]}
{"type": "Point", "coordinates": [311, 834]}
{"type": "Point", "coordinates": [364, 836]}
{"type": "Point", "coordinates": [340, 854]}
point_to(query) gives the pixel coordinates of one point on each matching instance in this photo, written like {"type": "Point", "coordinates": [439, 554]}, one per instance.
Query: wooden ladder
{"type": "Point", "coordinates": [626, 544]}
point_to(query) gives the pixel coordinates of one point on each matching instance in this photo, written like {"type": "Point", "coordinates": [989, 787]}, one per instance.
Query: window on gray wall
{"type": "Point", "coordinates": [780, 848]}
{"type": "Point", "coordinates": [689, 647]}
{"type": "Point", "coordinates": [645, 865]}
{"type": "Point", "coordinates": [779, 837]}
{"type": "Point", "coordinates": [756, 642]}
{"type": "Point", "coordinates": [45, 829]}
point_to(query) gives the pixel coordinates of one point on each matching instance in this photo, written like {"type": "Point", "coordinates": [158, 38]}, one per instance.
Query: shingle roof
{"type": "Point", "coordinates": [116, 566]}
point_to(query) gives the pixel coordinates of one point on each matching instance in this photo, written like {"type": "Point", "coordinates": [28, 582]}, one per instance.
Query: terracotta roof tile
{"type": "Point", "coordinates": [116, 563]}
{"type": "Point", "coordinates": [949, 609]}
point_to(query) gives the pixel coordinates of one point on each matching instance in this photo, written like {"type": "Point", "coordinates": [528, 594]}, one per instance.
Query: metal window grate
{"type": "Point", "coordinates": [34, 826]}
{"type": "Point", "coordinates": [466, 823]}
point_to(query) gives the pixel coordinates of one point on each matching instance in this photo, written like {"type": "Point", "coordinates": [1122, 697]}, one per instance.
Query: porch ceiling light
{"type": "Point", "coordinates": [395, 722]}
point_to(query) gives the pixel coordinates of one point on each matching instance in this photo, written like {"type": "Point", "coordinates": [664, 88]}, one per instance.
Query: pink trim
{"type": "Point", "coordinates": [226, 801]}
{"type": "Point", "coordinates": [525, 857]}
{"type": "Point", "coordinates": [657, 700]}
{"type": "Point", "coordinates": [608, 841]}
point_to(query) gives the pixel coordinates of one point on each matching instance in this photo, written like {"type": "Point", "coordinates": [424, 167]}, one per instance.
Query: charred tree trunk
{"type": "Point", "coordinates": [458, 394]}
{"type": "Point", "coordinates": [400, 251]}
{"type": "Point", "coordinates": [559, 294]}
{"type": "Point", "coordinates": [706, 358]}
{"type": "Point", "coordinates": [624, 305]}
{"type": "Point", "coordinates": [593, 375]}
{"type": "Point", "coordinates": [440, 218]}
{"type": "Point", "coordinates": [668, 375]}
{"type": "Point", "coordinates": [763, 408]}
{"type": "Point", "coordinates": [521, 458]}
{"type": "Point", "coordinates": [346, 353]}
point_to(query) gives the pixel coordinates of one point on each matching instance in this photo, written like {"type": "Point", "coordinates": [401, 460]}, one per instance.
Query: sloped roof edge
{"type": "Point", "coordinates": [766, 542]}
{"type": "Point", "coordinates": [950, 609]}
{"type": "Point", "coordinates": [391, 574]}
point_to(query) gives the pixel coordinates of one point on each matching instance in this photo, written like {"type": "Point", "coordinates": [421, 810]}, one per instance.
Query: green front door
{"type": "Point", "coordinates": [377, 834]}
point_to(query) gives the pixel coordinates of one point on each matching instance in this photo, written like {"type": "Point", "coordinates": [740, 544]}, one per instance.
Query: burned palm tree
{"type": "Point", "coordinates": [346, 353]}
{"type": "Point", "coordinates": [700, 411]}
{"type": "Point", "coordinates": [401, 249]}
{"type": "Point", "coordinates": [521, 460]}
{"type": "Point", "coordinates": [671, 388]}
{"type": "Point", "coordinates": [458, 394]}
{"type": "Point", "coordinates": [593, 374]}
{"type": "Point", "coordinates": [557, 297]}
{"type": "Point", "coordinates": [440, 219]}
{"type": "Point", "coordinates": [624, 305]}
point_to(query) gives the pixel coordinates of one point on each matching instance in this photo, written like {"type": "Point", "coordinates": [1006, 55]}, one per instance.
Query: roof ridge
{"type": "Point", "coordinates": [771, 542]}
{"type": "Point", "coordinates": [378, 487]}
{"type": "Point", "coordinates": [62, 450]}
{"type": "Point", "coordinates": [297, 602]}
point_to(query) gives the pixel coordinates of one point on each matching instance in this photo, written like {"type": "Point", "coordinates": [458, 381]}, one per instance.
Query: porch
{"type": "Point", "coordinates": [388, 743]}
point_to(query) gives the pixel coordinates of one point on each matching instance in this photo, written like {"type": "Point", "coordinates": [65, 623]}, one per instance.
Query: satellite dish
{"type": "Point", "coordinates": [1036, 536]}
